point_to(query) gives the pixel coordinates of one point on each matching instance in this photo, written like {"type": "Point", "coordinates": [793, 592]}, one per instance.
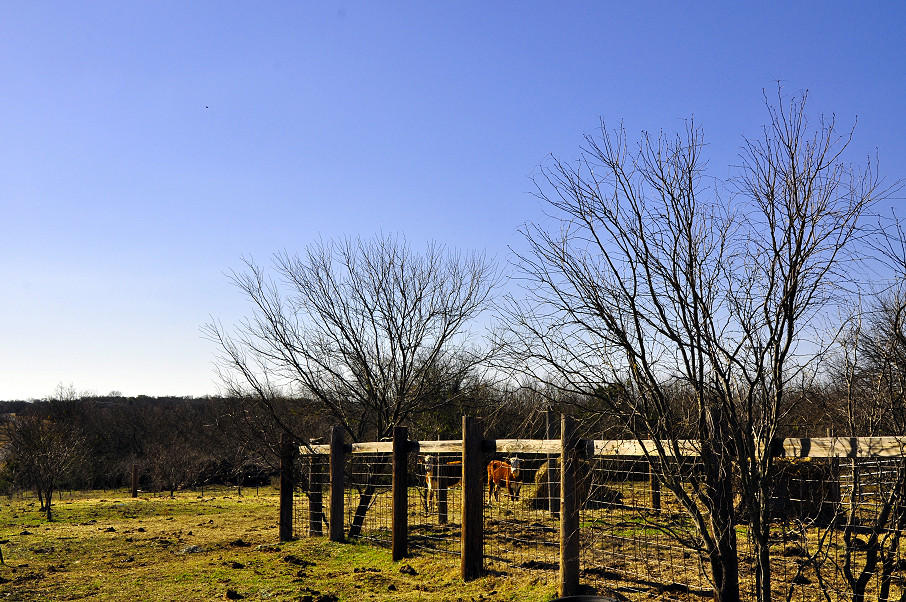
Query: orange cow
{"type": "Point", "coordinates": [504, 475]}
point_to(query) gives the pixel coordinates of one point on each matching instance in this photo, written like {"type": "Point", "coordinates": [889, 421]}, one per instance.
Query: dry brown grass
{"type": "Point", "coordinates": [106, 546]}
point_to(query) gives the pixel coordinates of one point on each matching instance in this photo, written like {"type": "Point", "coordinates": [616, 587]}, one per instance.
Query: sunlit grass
{"type": "Point", "coordinates": [109, 546]}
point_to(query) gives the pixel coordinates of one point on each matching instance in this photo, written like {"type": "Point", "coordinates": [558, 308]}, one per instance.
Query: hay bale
{"type": "Point", "coordinates": [545, 490]}
{"type": "Point", "coordinates": [806, 489]}
{"type": "Point", "coordinates": [602, 496]}
{"type": "Point", "coordinates": [590, 493]}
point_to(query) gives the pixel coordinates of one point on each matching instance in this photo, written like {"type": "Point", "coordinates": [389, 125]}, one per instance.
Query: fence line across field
{"type": "Point", "coordinates": [818, 447]}
{"type": "Point", "coordinates": [389, 470]}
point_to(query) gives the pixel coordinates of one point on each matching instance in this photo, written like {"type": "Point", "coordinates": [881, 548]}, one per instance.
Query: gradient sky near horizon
{"type": "Point", "coordinates": [146, 147]}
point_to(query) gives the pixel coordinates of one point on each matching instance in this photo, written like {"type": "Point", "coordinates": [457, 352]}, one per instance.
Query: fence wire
{"type": "Point", "coordinates": [521, 522]}
{"type": "Point", "coordinates": [626, 520]}
{"type": "Point", "coordinates": [435, 511]}
{"type": "Point", "coordinates": [368, 502]}
{"type": "Point", "coordinates": [835, 530]}
{"type": "Point", "coordinates": [309, 496]}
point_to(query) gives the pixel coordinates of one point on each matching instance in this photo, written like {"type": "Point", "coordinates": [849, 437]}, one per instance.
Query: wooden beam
{"type": "Point", "coordinates": [524, 446]}
{"type": "Point", "coordinates": [632, 448]}
{"type": "Point", "coordinates": [569, 508]}
{"type": "Point", "coordinates": [843, 447]}
{"type": "Point", "coordinates": [453, 446]}
{"type": "Point", "coordinates": [819, 447]}
{"type": "Point", "coordinates": [287, 485]}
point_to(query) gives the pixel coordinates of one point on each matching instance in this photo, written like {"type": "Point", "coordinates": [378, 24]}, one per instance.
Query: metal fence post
{"type": "Point", "coordinates": [553, 503]}
{"type": "Point", "coordinates": [400, 507]}
{"type": "Point", "coordinates": [287, 484]}
{"type": "Point", "coordinates": [472, 558]}
{"type": "Point", "coordinates": [655, 484]}
{"type": "Point", "coordinates": [315, 496]}
{"type": "Point", "coordinates": [443, 482]}
{"type": "Point", "coordinates": [337, 485]}
{"type": "Point", "coordinates": [569, 510]}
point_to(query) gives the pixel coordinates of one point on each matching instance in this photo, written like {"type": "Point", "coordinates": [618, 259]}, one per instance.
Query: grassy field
{"type": "Point", "coordinates": [109, 546]}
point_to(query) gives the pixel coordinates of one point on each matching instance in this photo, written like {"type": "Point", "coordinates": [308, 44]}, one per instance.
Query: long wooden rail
{"type": "Point", "coordinates": [820, 447]}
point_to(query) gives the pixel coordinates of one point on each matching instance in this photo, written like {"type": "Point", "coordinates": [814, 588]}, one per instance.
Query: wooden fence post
{"type": "Point", "coordinates": [400, 506]}
{"type": "Point", "coordinates": [287, 484]}
{"type": "Point", "coordinates": [472, 557]}
{"type": "Point", "coordinates": [569, 510]}
{"type": "Point", "coordinates": [337, 485]}
{"type": "Point", "coordinates": [315, 496]}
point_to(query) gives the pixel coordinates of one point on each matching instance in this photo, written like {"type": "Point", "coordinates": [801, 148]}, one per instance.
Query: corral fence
{"type": "Point", "coordinates": [592, 511]}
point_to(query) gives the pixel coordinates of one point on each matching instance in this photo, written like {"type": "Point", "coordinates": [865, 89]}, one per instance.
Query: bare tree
{"type": "Point", "coordinates": [870, 375]}
{"type": "Point", "coordinates": [684, 305]}
{"type": "Point", "coordinates": [174, 455]}
{"type": "Point", "coordinates": [44, 448]}
{"type": "Point", "coordinates": [369, 329]}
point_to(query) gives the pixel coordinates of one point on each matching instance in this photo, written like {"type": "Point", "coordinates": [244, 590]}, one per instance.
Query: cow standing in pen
{"type": "Point", "coordinates": [440, 474]}
{"type": "Point", "coordinates": [504, 475]}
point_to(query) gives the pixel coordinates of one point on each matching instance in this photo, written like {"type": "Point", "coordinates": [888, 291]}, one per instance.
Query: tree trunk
{"type": "Point", "coordinates": [759, 518]}
{"type": "Point", "coordinates": [358, 519]}
{"type": "Point", "coordinates": [725, 567]}
{"type": "Point", "coordinates": [48, 498]}
{"type": "Point", "coordinates": [367, 495]}
{"type": "Point", "coordinates": [718, 470]}
{"type": "Point", "coordinates": [763, 562]}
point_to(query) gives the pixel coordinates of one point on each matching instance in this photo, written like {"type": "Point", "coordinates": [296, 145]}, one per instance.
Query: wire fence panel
{"type": "Point", "coordinates": [368, 502]}
{"type": "Point", "coordinates": [520, 528]}
{"type": "Point", "coordinates": [435, 509]}
{"type": "Point", "coordinates": [835, 529]}
{"type": "Point", "coordinates": [804, 508]}
{"type": "Point", "coordinates": [626, 521]}
{"type": "Point", "coordinates": [310, 495]}
{"type": "Point", "coordinates": [839, 538]}
{"type": "Point", "coordinates": [300, 514]}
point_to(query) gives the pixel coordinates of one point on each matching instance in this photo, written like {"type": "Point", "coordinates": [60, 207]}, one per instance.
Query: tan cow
{"type": "Point", "coordinates": [435, 469]}
{"type": "Point", "coordinates": [506, 475]}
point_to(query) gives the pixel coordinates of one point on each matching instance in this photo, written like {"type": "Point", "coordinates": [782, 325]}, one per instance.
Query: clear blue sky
{"type": "Point", "coordinates": [145, 147]}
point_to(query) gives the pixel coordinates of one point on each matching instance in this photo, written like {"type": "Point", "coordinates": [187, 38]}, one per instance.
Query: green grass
{"type": "Point", "coordinates": [105, 546]}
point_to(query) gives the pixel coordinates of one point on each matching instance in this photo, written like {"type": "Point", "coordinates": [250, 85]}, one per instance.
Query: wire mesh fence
{"type": "Point", "coordinates": [521, 520]}
{"type": "Point", "coordinates": [837, 528]}
{"type": "Point", "coordinates": [629, 531]}
{"type": "Point", "coordinates": [834, 534]}
{"type": "Point", "coordinates": [368, 502]}
{"type": "Point", "coordinates": [310, 474]}
{"type": "Point", "coordinates": [435, 511]}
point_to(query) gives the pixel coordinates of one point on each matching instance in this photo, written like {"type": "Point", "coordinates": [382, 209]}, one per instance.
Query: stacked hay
{"type": "Point", "coordinates": [801, 489]}
{"type": "Point", "coordinates": [547, 486]}
{"type": "Point", "coordinates": [590, 492]}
